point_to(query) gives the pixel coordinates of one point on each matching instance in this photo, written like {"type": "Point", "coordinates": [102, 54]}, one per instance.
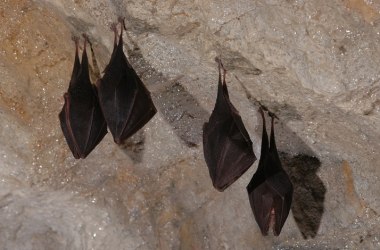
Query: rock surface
{"type": "Point", "coordinates": [313, 63]}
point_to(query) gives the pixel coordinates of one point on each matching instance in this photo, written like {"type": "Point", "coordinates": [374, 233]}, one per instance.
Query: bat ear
{"type": "Point", "coordinates": [226, 144]}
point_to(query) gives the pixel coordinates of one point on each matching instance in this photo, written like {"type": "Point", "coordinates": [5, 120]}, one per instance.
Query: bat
{"type": "Point", "coordinates": [270, 190]}
{"type": "Point", "coordinates": [126, 103]}
{"type": "Point", "coordinates": [81, 118]}
{"type": "Point", "coordinates": [227, 147]}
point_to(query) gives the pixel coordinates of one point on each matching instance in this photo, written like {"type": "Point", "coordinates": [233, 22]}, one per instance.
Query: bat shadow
{"type": "Point", "coordinates": [302, 167]}
{"type": "Point", "coordinates": [309, 191]}
{"type": "Point", "coordinates": [134, 146]}
{"type": "Point", "coordinates": [177, 106]}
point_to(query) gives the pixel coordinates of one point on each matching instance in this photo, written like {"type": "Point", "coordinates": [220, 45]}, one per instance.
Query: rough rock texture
{"type": "Point", "coordinates": [314, 63]}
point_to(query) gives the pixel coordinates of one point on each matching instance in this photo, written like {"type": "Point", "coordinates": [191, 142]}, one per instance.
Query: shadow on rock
{"type": "Point", "coordinates": [301, 166]}
{"type": "Point", "coordinates": [134, 146]}
{"type": "Point", "coordinates": [309, 192]}
{"type": "Point", "coordinates": [183, 113]}
{"type": "Point", "coordinates": [178, 107]}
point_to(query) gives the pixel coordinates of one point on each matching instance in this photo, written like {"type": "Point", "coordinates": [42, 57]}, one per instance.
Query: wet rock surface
{"type": "Point", "coordinates": [315, 65]}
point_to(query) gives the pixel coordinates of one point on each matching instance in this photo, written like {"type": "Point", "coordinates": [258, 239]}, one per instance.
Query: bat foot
{"type": "Point", "coordinates": [75, 38]}
{"type": "Point", "coordinates": [121, 20]}
{"type": "Point", "coordinates": [113, 26]}
{"type": "Point", "coordinates": [261, 110]}
{"type": "Point", "coordinates": [87, 38]}
{"type": "Point", "coordinates": [217, 59]}
{"type": "Point", "coordinates": [220, 64]}
{"type": "Point", "coordinates": [76, 41]}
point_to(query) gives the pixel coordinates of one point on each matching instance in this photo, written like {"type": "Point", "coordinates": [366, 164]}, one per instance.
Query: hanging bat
{"type": "Point", "coordinates": [126, 103]}
{"type": "Point", "coordinates": [226, 144]}
{"type": "Point", "coordinates": [81, 117]}
{"type": "Point", "coordinates": [270, 190]}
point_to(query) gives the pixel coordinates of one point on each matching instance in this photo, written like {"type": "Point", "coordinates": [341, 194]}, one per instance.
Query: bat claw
{"type": "Point", "coordinates": [217, 59]}
{"type": "Point", "coordinates": [75, 38]}
{"type": "Point", "coordinates": [261, 110]}
{"type": "Point", "coordinates": [87, 38]}
{"type": "Point", "coordinates": [220, 63]}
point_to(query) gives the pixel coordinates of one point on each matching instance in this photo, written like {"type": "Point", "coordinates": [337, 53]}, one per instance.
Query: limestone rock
{"type": "Point", "coordinates": [315, 64]}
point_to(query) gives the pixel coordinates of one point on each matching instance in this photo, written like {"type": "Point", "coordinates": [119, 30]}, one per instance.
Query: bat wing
{"type": "Point", "coordinates": [227, 147]}
{"type": "Point", "coordinates": [261, 200]}
{"type": "Point", "coordinates": [271, 202]}
{"type": "Point", "coordinates": [126, 103]}
{"type": "Point", "coordinates": [282, 192]}
{"type": "Point", "coordinates": [81, 119]}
